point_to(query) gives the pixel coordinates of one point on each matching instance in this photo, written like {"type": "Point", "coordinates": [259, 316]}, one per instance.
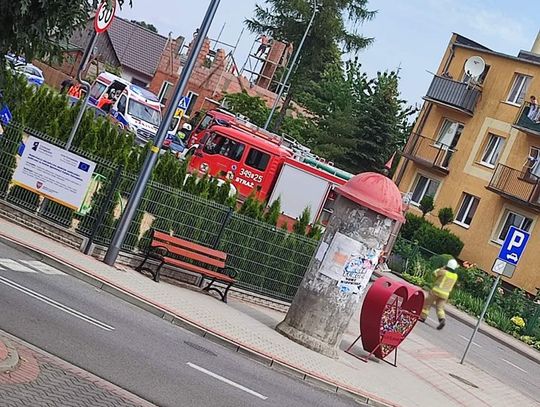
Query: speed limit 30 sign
{"type": "Point", "coordinates": [104, 16]}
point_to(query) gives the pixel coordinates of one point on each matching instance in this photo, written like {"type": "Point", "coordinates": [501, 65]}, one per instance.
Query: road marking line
{"type": "Point", "coordinates": [468, 339]}
{"type": "Point", "coordinates": [225, 380]}
{"type": "Point", "coordinates": [511, 364]}
{"type": "Point", "coordinates": [11, 264]}
{"type": "Point", "coordinates": [44, 268]}
{"type": "Point", "coordinates": [56, 304]}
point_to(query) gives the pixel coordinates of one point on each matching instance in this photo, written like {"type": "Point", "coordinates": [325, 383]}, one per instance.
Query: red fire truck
{"type": "Point", "coordinates": [256, 160]}
{"type": "Point", "coordinates": [210, 118]}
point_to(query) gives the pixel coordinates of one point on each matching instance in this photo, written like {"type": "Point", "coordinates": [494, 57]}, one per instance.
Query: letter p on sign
{"type": "Point", "coordinates": [513, 245]}
{"type": "Point", "coordinates": [517, 240]}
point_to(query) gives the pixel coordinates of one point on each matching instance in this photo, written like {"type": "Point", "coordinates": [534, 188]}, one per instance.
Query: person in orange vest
{"type": "Point", "coordinates": [75, 91]}
{"type": "Point", "coordinates": [104, 103]}
{"type": "Point", "coordinates": [445, 280]}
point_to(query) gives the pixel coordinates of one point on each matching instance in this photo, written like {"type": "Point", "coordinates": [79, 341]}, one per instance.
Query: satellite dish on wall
{"type": "Point", "coordinates": [474, 67]}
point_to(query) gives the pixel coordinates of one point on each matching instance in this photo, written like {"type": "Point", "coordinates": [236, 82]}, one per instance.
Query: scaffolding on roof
{"type": "Point", "coordinates": [256, 66]}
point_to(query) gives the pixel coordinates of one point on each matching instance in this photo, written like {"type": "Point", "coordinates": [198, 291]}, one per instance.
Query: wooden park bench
{"type": "Point", "coordinates": [209, 263]}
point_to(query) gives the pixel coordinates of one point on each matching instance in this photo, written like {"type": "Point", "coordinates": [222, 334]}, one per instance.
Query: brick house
{"type": "Point", "coordinates": [214, 75]}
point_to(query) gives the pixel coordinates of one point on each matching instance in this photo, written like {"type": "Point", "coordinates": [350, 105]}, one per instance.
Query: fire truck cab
{"type": "Point", "coordinates": [210, 118]}
{"type": "Point", "coordinates": [251, 162]}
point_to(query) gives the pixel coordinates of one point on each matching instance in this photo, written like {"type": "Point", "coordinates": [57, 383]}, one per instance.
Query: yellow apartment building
{"type": "Point", "coordinates": [476, 148]}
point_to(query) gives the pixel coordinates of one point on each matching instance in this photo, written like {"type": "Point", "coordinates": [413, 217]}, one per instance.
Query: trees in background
{"type": "Point", "coordinates": [144, 24]}
{"type": "Point", "coordinates": [334, 30]}
{"type": "Point", "coordinates": [446, 216]}
{"type": "Point", "coordinates": [361, 121]}
{"type": "Point", "coordinates": [37, 28]}
{"type": "Point", "coordinates": [353, 120]}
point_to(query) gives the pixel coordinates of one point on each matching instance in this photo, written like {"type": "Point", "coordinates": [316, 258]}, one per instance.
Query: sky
{"type": "Point", "coordinates": [410, 34]}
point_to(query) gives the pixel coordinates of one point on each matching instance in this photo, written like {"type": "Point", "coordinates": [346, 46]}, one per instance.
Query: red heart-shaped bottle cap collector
{"type": "Point", "coordinates": [389, 313]}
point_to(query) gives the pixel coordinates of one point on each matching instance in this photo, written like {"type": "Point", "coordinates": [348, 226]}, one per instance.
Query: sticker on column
{"type": "Point", "coordinates": [350, 263]}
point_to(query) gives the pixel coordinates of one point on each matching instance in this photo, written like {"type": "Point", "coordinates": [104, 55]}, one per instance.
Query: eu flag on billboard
{"type": "Point", "coordinates": [83, 166]}
{"type": "Point", "coordinates": [20, 150]}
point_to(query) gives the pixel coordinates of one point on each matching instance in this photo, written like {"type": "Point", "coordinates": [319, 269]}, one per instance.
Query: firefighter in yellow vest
{"type": "Point", "coordinates": [444, 283]}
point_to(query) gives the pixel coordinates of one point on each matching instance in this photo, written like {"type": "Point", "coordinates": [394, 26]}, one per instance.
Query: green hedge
{"type": "Point", "coordinates": [411, 225]}
{"type": "Point", "coordinates": [430, 237]}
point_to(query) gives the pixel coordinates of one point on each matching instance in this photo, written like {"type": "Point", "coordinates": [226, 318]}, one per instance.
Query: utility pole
{"type": "Point", "coordinates": [291, 67]}
{"type": "Point", "coordinates": [151, 159]}
{"type": "Point", "coordinates": [102, 21]}
{"type": "Point", "coordinates": [86, 86]}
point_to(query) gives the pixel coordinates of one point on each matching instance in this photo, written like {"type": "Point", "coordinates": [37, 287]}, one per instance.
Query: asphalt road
{"type": "Point", "coordinates": [135, 350]}
{"type": "Point", "coordinates": [487, 354]}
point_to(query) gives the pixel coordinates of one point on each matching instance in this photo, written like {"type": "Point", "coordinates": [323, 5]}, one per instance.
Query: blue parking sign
{"type": "Point", "coordinates": [513, 245]}
{"type": "Point", "coordinates": [5, 115]}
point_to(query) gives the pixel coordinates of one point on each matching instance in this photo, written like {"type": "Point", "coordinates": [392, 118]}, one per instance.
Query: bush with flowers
{"type": "Point", "coordinates": [518, 321]}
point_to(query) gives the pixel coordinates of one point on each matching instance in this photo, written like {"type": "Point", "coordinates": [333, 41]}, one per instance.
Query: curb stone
{"type": "Point", "coordinates": [183, 322]}
{"type": "Point", "coordinates": [12, 359]}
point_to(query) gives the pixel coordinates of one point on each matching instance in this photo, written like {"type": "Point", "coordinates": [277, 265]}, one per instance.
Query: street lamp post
{"type": "Point", "coordinates": [291, 67]}
{"type": "Point", "coordinates": [138, 190]}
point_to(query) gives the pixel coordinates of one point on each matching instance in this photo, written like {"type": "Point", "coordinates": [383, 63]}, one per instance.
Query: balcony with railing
{"type": "Point", "coordinates": [428, 153]}
{"type": "Point", "coordinates": [519, 186]}
{"type": "Point", "coordinates": [454, 94]}
{"type": "Point", "coordinates": [528, 119]}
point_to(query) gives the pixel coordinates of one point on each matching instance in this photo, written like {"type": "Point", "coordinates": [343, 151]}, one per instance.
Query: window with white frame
{"type": "Point", "coordinates": [519, 88]}
{"type": "Point", "coordinates": [510, 219]}
{"type": "Point", "coordinates": [449, 133]}
{"type": "Point", "coordinates": [467, 209]}
{"type": "Point", "coordinates": [422, 187]}
{"type": "Point", "coordinates": [165, 91]}
{"type": "Point", "coordinates": [493, 150]}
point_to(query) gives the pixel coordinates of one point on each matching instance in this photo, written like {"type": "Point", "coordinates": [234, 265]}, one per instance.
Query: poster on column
{"type": "Point", "coordinates": [53, 173]}
{"type": "Point", "coordinates": [350, 263]}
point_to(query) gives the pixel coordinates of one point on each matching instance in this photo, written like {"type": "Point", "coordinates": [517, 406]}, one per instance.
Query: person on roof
{"type": "Point", "coordinates": [445, 280]}
{"type": "Point", "coordinates": [265, 42]}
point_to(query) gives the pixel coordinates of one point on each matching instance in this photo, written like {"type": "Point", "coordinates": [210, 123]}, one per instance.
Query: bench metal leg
{"type": "Point", "coordinates": [224, 297]}
{"type": "Point", "coordinates": [209, 286]}
{"type": "Point", "coordinates": [222, 294]}
{"type": "Point", "coordinates": [157, 273]}
{"type": "Point", "coordinates": [141, 267]}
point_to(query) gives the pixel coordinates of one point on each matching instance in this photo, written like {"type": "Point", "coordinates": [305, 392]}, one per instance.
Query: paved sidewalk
{"type": "Point", "coordinates": [425, 376]}
{"type": "Point", "coordinates": [40, 379]}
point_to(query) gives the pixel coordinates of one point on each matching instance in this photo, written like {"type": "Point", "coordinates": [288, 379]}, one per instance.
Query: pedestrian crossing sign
{"type": "Point", "coordinates": [184, 103]}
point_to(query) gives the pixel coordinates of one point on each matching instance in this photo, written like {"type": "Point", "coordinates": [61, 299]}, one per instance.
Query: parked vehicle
{"type": "Point", "coordinates": [174, 144]}
{"type": "Point", "coordinates": [13, 60]}
{"type": "Point", "coordinates": [32, 73]}
{"type": "Point", "coordinates": [255, 160]}
{"type": "Point", "coordinates": [133, 107]}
